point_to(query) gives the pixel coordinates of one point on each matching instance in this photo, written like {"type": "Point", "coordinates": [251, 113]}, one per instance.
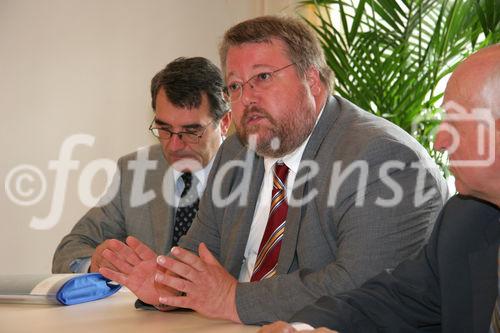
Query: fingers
{"type": "Point", "coordinates": [124, 251]}
{"type": "Point", "coordinates": [176, 301]}
{"type": "Point", "coordinates": [118, 263]}
{"type": "Point", "coordinates": [174, 282]}
{"type": "Point", "coordinates": [133, 253]}
{"type": "Point", "coordinates": [113, 275]}
{"type": "Point", "coordinates": [97, 260]}
{"type": "Point", "coordinates": [117, 254]}
{"type": "Point", "coordinates": [206, 255]}
{"type": "Point", "coordinates": [177, 267]}
{"type": "Point", "coordinates": [94, 267]}
{"type": "Point", "coordinates": [188, 258]}
{"type": "Point", "coordinates": [164, 290]}
{"type": "Point", "coordinates": [141, 249]}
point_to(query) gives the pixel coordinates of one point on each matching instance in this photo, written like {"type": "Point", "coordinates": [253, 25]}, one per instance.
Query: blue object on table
{"type": "Point", "coordinates": [85, 288]}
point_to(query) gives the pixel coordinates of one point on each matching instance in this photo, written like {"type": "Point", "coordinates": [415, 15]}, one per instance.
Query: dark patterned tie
{"type": "Point", "coordinates": [269, 249]}
{"type": "Point", "coordinates": [188, 206]}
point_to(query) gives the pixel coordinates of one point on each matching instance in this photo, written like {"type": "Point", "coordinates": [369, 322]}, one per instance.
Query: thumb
{"type": "Point", "coordinates": [206, 255]}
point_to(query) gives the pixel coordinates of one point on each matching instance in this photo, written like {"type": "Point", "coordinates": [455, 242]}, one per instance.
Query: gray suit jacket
{"type": "Point", "coordinates": [327, 248]}
{"type": "Point", "coordinates": [151, 222]}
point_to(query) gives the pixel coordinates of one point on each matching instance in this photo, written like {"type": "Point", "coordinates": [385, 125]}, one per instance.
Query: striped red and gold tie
{"type": "Point", "coordinates": [269, 249]}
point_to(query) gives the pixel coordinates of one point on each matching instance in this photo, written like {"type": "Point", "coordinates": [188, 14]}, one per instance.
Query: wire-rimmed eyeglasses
{"type": "Point", "coordinates": [194, 136]}
{"type": "Point", "coordinates": [260, 81]}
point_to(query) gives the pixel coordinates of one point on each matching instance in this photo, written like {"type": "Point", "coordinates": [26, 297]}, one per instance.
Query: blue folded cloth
{"type": "Point", "coordinates": [85, 288]}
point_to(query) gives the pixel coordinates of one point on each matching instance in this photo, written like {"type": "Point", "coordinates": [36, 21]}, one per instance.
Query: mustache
{"type": "Point", "coordinates": [255, 111]}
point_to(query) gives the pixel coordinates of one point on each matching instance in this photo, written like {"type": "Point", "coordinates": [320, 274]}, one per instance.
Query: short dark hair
{"type": "Point", "coordinates": [303, 46]}
{"type": "Point", "coordinates": [184, 80]}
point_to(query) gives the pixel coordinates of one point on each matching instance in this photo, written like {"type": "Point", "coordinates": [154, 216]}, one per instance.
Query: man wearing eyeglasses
{"type": "Point", "coordinates": [305, 229]}
{"type": "Point", "coordinates": [158, 193]}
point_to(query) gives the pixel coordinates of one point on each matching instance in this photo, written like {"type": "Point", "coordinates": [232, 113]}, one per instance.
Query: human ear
{"type": "Point", "coordinates": [224, 123]}
{"type": "Point", "coordinates": [313, 80]}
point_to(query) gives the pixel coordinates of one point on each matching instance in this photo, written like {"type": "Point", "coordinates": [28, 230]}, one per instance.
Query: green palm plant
{"type": "Point", "coordinates": [390, 55]}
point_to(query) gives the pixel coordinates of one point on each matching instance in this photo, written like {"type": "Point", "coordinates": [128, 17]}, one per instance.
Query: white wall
{"type": "Point", "coordinates": [69, 67]}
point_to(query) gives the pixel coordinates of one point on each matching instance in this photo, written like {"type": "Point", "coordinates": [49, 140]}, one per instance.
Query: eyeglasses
{"type": "Point", "coordinates": [260, 81]}
{"type": "Point", "coordinates": [164, 133]}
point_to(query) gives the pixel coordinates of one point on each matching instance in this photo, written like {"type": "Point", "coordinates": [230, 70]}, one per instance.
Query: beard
{"type": "Point", "coordinates": [281, 136]}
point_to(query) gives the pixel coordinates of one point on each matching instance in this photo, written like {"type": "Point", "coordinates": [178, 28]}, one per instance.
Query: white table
{"type": "Point", "coordinates": [113, 314]}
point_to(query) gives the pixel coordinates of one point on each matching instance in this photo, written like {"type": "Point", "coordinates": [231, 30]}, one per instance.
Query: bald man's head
{"type": "Point", "coordinates": [470, 136]}
{"type": "Point", "coordinates": [476, 81]}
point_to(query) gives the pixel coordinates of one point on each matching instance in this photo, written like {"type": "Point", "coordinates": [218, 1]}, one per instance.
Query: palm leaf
{"type": "Point", "coordinates": [389, 55]}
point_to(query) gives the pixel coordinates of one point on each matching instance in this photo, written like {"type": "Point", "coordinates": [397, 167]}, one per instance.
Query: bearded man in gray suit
{"type": "Point", "coordinates": [356, 193]}
{"type": "Point", "coordinates": [191, 118]}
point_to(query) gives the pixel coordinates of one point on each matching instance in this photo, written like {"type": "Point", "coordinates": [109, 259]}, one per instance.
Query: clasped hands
{"type": "Point", "coordinates": [181, 280]}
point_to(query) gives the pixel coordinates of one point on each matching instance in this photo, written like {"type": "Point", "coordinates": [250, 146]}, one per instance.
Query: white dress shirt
{"type": "Point", "coordinates": [263, 206]}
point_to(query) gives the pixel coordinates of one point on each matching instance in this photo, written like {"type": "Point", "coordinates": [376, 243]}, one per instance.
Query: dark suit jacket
{"type": "Point", "coordinates": [330, 244]}
{"type": "Point", "coordinates": [150, 221]}
{"type": "Point", "coordinates": [450, 287]}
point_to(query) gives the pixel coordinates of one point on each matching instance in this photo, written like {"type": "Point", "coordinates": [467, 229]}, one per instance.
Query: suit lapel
{"type": "Point", "coordinates": [296, 213]}
{"type": "Point", "coordinates": [243, 217]}
{"type": "Point", "coordinates": [162, 214]}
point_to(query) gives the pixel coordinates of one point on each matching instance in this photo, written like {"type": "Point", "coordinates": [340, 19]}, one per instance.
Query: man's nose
{"type": "Point", "coordinates": [248, 95]}
{"type": "Point", "coordinates": [443, 138]}
{"type": "Point", "coordinates": [175, 143]}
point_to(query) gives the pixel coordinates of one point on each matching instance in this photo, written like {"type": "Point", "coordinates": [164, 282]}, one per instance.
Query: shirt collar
{"type": "Point", "coordinates": [201, 175]}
